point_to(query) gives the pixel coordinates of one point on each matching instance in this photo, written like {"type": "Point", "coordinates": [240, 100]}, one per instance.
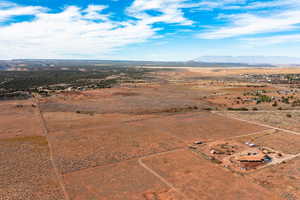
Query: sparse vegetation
{"type": "Point", "coordinates": [296, 103]}
{"type": "Point", "coordinates": [275, 104]}
{"type": "Point", "coordinates": [238, 109]}
{"type": "Point", "coordinates": [85, 112]}
{"type": "Point", "coordinates": [285, 100]}
{"type": "Point", "coordinates": [100, 135]}
{"type": "Point", "coordinates": [208, 109]}
{"type": "Point", "coordinates": [20, 84]}
{"type": "Point", "coordinates": [263, 98]}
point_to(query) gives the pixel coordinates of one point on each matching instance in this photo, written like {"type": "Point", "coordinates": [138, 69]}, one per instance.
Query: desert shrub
{"type": "Point", "coordinates": [296, 103]}
{"type": "Point", "coordinates": [238, 109]}
{"type": "Point", "coordinates": [285, 100]}
{"type": "Point", "coordinates": [275, 104]}
{"type": "Point", "coordinates": [263, 98]}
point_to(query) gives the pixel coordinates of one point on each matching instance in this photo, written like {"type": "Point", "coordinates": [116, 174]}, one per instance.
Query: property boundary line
{"type": "Point", "coordinates": [257, 123]}
{"type": "Point", "coordinates": [45, 131]}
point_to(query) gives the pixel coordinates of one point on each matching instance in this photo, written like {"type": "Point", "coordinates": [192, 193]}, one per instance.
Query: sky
{"type": "Point", "coordinates": [159, 30]}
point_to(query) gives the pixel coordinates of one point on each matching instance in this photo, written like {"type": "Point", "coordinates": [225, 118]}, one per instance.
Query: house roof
{"type": "Point", "coordinates": [252, 156]}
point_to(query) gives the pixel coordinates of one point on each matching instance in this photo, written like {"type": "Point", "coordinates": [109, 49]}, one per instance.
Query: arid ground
{"type": "Point", "coordinates": [188, 134]}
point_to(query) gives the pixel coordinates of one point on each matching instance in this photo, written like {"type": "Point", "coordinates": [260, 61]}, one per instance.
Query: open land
{"type": "Point", "coordinates": [139, 133]}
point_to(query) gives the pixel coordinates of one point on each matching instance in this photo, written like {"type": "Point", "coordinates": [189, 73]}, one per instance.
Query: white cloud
{"type": "Point", "coordinates": [248, 24]}
{"type": "Point", "coordinates": [246, 5]}
{"type": "Point", "coordinates": [82, 33]}
{"type": "Point", "coordinates": [262, 41]}
{"type": "Point", "coordinates": [94, 12]}
{"type": "Point", "coordinates": [92, 33]}
{"type": "Point", "coordinates": [8, 10]}
{"type": "Point", "coordinates": [272, 4]}
{"type": "Point", "coordinates": [6, 4]}
{"type": "Point", "coordinates": [221, 4]}
{"type": "Point", "coordinates": [171, 11]}
{"type": "Point", "coordinates": [69, 33]}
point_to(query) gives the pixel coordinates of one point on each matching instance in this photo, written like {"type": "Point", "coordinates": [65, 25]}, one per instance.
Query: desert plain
{"type": "Point", "coordinates": [180, 134]}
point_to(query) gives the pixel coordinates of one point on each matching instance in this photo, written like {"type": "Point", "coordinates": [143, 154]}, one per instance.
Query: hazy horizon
{"type": "Point", "coordinates": [254, 60]}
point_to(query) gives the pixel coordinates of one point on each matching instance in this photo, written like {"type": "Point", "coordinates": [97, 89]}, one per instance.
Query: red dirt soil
{"type": "Point", "coordinates": [283, 179]}
{"type": "Point", "coordinates": [123, 181]}
{"type": "Point", "coordinates": [198, 178]}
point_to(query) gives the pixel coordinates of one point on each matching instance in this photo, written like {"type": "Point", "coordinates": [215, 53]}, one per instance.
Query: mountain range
{"type": "Point", "coordinates": [204, 61]}
{"type": "Point", "coordinates": [251, 60]}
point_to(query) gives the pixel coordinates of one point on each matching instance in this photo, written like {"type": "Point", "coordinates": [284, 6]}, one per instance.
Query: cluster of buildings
{"type": "Point", "coordinates": [274, 78]}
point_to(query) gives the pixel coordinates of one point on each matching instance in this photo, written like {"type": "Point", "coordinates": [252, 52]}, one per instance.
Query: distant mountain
{"type": "Point", "coordinates": [32, 64]}
{"type": "Point", "coordinates": [52, 64]}
{"type": "Point", "coordinates": [4, 65]}
{"type": "Point", "coordinates": [2, 68]}
{"type": "Point", "coordinates": [251, 60]}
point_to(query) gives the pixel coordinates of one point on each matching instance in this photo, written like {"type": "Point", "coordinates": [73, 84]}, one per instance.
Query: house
{"type": "Point", "coordinates": [260, 157]}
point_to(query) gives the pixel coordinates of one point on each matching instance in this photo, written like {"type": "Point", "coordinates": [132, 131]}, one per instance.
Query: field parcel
{"type": "Point", "coordinates": [168, 137]}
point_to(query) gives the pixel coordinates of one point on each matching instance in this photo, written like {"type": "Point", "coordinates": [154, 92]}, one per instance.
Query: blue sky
{"type": "Point", "coordinates": [148, 29]}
